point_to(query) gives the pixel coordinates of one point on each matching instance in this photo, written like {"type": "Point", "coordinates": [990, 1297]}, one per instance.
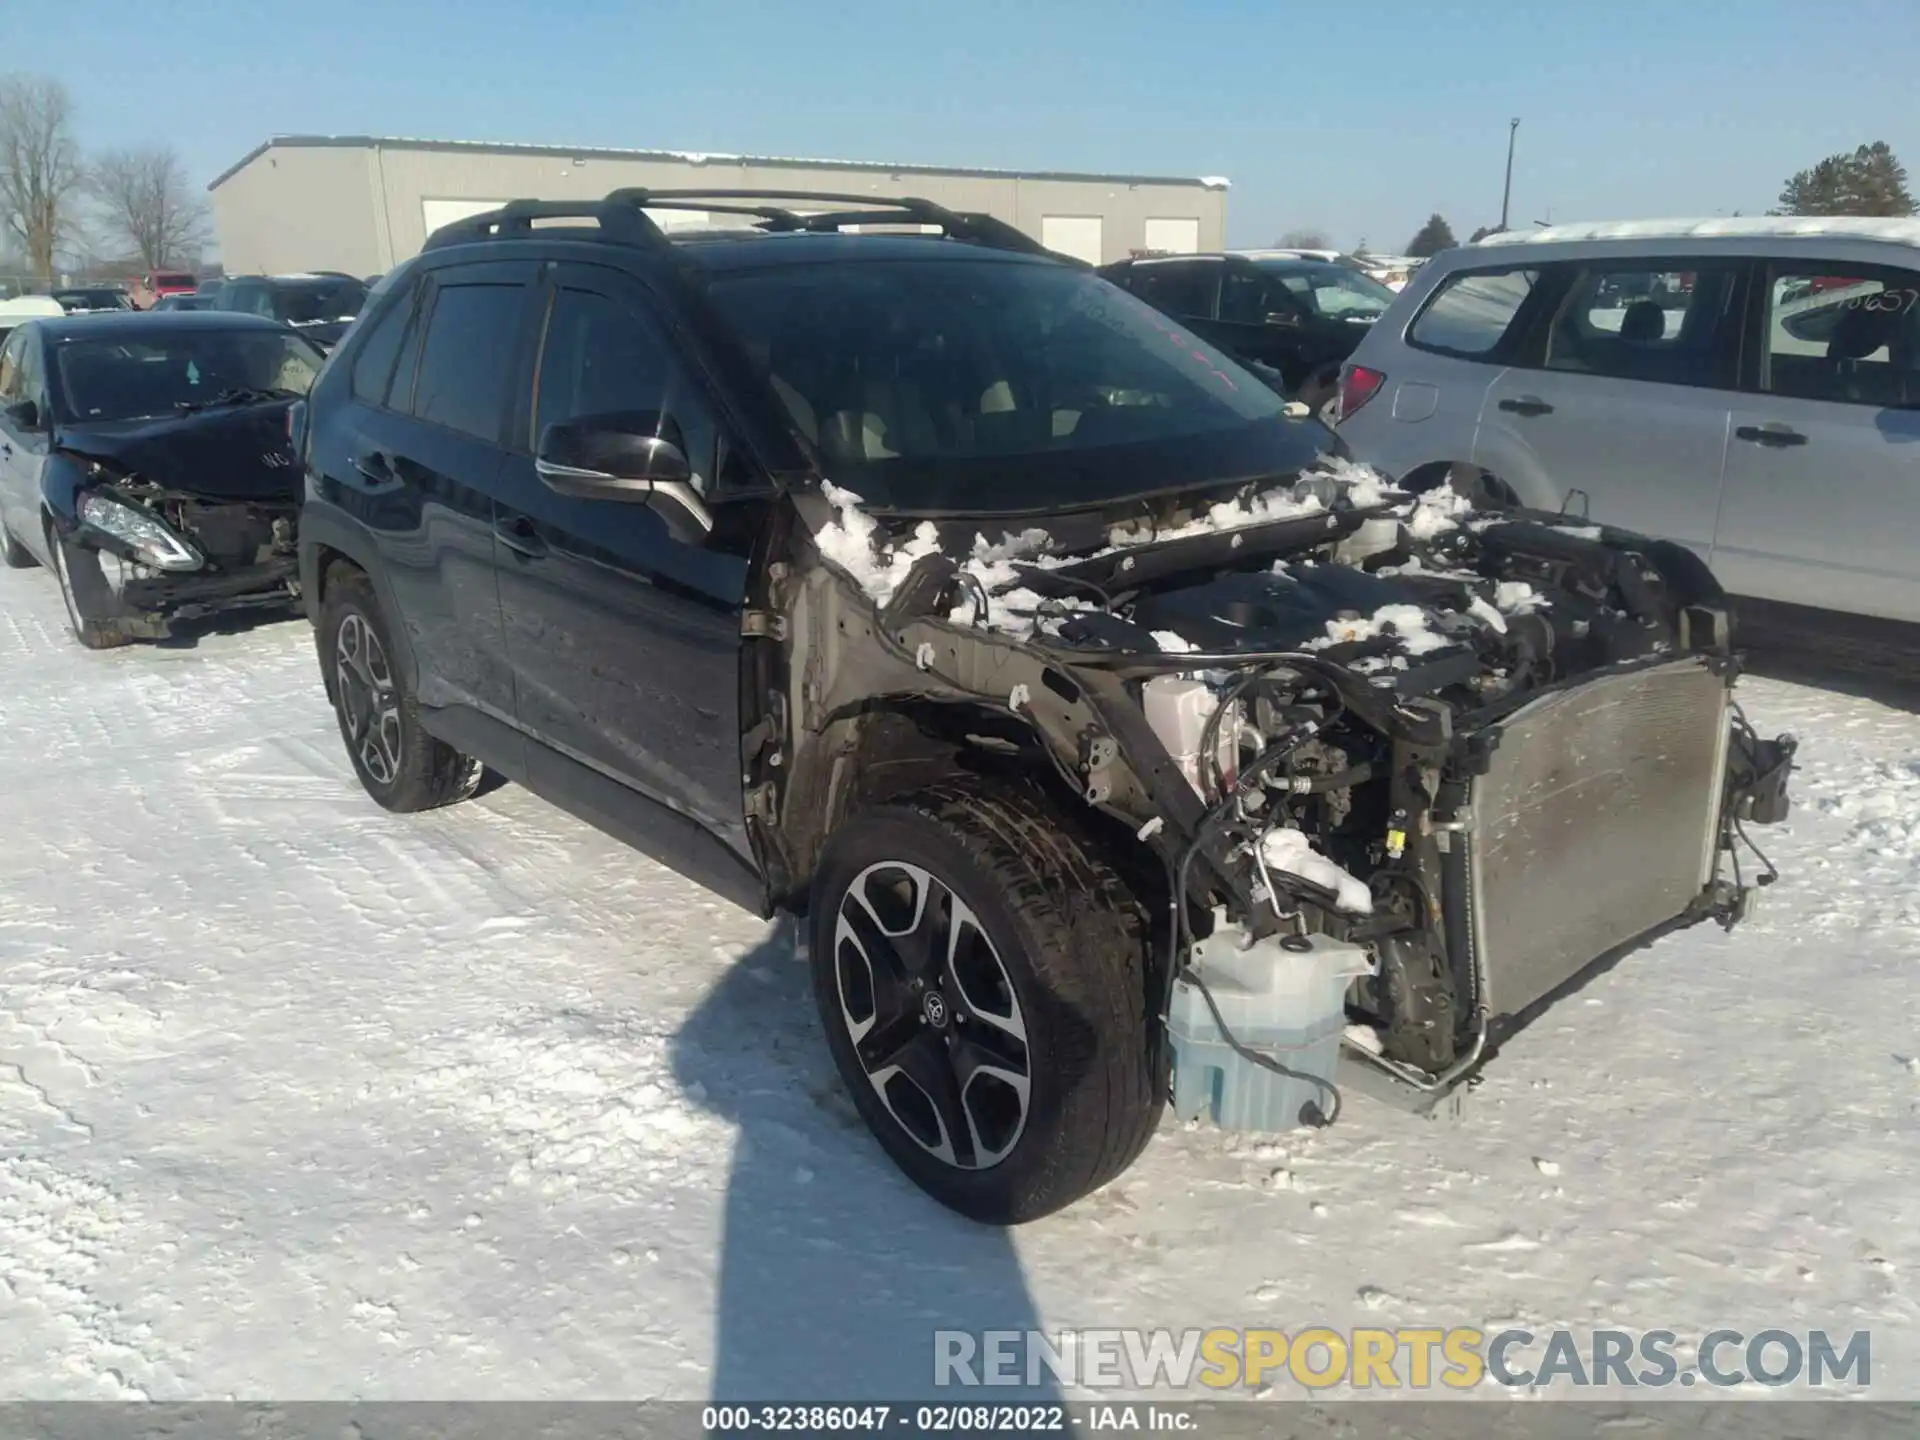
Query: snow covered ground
{"type": "Point", "coordinates": [299, 1099]}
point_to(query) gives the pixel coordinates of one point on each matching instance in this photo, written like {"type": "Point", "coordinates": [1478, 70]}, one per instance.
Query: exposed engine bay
{"type": "Point", "coordinates": [1496, 749]}
{"type": "Point", "coordinates": [185, 518]}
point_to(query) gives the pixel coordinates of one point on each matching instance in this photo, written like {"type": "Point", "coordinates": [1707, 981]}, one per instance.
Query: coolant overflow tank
{"type": "Point", "coordinates": [1284, 997]}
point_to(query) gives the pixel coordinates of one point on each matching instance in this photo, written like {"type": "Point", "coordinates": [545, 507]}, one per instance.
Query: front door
{"type": "Point", "coordinates": [1262, 320]}
{"type": "Point", "coordinates": [1624, 411]}
{"type": "Point", "coordinates": [23, 450]}
{"type": "Point", "coordinates": [1822, 498]}
{"type": "Point", "coordinates": [622, 624]}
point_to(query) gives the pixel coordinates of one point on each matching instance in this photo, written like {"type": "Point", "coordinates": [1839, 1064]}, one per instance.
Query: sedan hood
{"type": "Point", "coordinates": [235, 452]}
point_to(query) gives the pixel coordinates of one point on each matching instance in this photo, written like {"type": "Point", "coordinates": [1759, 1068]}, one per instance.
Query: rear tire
{"type": "Point", "coordinates": [13, 554]}
{"type": "Point", "coordinates": [398, 762]}
{"type": "Point", "coordinates": [1015, 958]}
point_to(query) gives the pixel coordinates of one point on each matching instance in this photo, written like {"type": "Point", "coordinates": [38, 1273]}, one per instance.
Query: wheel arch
{"type": "Point", "coordinates": [898, 744]}
{"type": "Point", "coordinates": [327, 545]}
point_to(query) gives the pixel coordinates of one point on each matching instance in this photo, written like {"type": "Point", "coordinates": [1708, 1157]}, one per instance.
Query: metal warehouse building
{"type": "Point", "coordinates": [362, 203]}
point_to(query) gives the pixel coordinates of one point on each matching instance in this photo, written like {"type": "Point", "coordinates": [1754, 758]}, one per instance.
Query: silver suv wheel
{"type": "Point", "coordinates": [932, 1015]}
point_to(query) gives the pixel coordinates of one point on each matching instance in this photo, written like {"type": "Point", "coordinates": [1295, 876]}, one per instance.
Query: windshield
{"type": "Point", "coordinates": [919, 380]}
{"type": "Point", "coordinates": [318, 304]}
{"type": "Point", "coordinates": [167, 375]}
{"type": "Point", "coordinates": [1333, 291]}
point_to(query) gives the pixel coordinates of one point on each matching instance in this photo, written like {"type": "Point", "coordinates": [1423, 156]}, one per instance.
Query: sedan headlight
{"type": "Point", "coordinates": [146, 532]}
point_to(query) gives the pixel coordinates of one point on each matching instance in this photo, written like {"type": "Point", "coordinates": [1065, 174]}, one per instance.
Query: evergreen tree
{"type": "Point", "coordinates": [1870, 181]}
{"type": "Point", "coordinates": [1433, 237]}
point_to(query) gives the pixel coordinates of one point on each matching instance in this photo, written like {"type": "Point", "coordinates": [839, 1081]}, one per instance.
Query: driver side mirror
{"type": "Point", "coordinates": [636, 456]}
{"type": "Point", "coordinates": [613, 457]}
{"type": "Point", "coordinates": [24, 414]}
{"type": "Point", "coordinates": [1282, 317]}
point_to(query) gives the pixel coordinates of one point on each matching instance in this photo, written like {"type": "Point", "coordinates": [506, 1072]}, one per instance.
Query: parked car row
{"type": "Point", "coordinates": [1098, 727]}
{"type": "Point", "coordinates": [1749, 388]}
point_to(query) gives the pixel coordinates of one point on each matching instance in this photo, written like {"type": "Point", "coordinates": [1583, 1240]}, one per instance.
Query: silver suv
{"type": "Point", "coordinates": [1750, 388]}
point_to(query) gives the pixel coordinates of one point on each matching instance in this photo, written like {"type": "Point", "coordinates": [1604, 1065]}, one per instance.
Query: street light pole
{"type": "Point", "coordinates": [1506, 195]}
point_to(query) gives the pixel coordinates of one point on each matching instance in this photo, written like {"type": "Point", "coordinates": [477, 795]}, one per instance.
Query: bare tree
{"type": "Point", "coordinates": [148, 204]}
{"type": "Point", "coordinates": [39, 165]}
{"type": "Point", "coordinates": [1304, 239]}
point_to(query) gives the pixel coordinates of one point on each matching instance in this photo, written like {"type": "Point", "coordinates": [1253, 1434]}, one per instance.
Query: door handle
{"type": "Point", "coordinates": [375, 466]}
{"type": "Point", "coordinates": [516, 532]}
{"type": "Point", "coordinates": [1526, 405]}
{"type": "Point", "coordinates": [1776, 436]}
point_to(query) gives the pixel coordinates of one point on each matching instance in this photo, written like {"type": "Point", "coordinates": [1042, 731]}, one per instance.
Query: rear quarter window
{"type": "Point", "coordinates": [1471, 312]}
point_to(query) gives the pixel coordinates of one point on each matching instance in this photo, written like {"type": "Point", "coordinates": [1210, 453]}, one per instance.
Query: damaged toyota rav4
{"type": "Point", "coordinates": [1116, 743]}
{"type": "Point", "coordinates": [145, 460]}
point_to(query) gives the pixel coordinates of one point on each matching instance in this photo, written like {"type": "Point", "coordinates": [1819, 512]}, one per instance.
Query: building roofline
{"type": "Point", "coordinates": [694, 157]}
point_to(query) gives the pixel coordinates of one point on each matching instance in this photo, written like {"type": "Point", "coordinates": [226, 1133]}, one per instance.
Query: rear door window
{"type": "Point", "coordinates": [1849, 335]}
{"type": "Point", "coordinates": [1669, 322]}
{"type": "Point", "coordinates": [468, 357]}
{"type": "Point", "coordinates": [1472, 312]}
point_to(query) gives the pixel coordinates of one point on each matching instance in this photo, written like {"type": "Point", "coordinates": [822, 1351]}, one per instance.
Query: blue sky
{"type": "Point", "coordinates": [1359, 118]}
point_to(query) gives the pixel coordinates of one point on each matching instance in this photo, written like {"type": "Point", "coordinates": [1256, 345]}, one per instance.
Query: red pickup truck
{"type": "Point", "coordinates": [149, 288]}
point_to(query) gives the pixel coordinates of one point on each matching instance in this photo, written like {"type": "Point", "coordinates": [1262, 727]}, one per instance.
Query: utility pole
{"type": "Point", "coordinates": [1506, 195]}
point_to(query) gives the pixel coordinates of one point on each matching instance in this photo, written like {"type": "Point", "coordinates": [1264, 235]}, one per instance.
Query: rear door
{"type": "Point", "coordinates": [1625, 395]}
{"type": "Point", "coordinates": [621, 621]}
{"type": "Point", "coordinates": [1822, 499]}
{"type": "Point", "coordinates": [426, 457]}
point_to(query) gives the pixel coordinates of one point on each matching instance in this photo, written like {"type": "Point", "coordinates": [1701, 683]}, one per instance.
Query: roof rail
{"type": "Point", "coordinates": [618, 221]}
{"type": "Point", "coordinates": [864, 210]}
{"type": "Point", "coordinates": [621, 217]}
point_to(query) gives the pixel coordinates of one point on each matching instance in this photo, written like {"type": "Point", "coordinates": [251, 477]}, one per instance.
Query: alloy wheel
{"type": "Point", "coordinates": [931, 1010]}
{"type": "Point", "coordinates": [368, 699]}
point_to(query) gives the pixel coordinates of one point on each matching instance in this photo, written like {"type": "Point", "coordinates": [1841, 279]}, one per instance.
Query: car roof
{"type": "Point", "coordinates": [300, 278]}
{"type": "Point", "coordinates": [144, 324]}
{"type": "Point", "coordinates": [23, 308]}
{"type": "Point", "coordinates": [1737, 227]}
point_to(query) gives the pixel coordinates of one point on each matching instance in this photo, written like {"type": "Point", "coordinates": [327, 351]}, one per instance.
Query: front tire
{"type": "Point", "coordinates": [78, 570]}
{"type": "Point", "coordinates": [13, 554]}
{"type": "Point", "coordinates": [398, 762]}
{"type": "Point", "coordinates": [982, 975]}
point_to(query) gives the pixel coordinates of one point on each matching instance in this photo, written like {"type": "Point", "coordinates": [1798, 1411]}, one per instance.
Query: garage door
{"type": "Point", "coordinates": [1174, 237]}
{"type": "Point", "coordinates": [1075, 235]}
{"type": "Point", "coordinates": [444, 212]}
{"type": "Point", "coordinates": [681, 219]}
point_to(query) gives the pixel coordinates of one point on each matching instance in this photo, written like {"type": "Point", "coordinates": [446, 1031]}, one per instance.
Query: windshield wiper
{"type": "Point", "coordinates": [235, 397]}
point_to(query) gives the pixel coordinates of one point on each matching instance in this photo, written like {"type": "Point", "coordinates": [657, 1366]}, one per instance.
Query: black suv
{"type": "Point", "coordinates": [1294, 314]}
{"type": "Point", "coordinates": [320, 305]}
{"type": "Point", "coordinates": [932, 588]}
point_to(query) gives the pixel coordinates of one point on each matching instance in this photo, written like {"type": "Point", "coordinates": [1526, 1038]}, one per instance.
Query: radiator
{"type": "Point", "coordinates": [1596, 821]}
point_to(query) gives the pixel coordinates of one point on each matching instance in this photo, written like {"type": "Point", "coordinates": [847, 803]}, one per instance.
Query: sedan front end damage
{"type": "Point", "coordinates": [141, 557]}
